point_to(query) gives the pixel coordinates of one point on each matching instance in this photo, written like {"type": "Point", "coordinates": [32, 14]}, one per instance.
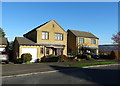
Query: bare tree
{"type": "Point", "coordinates": [116, 38]}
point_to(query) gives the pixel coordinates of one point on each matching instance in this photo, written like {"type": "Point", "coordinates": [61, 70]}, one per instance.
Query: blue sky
{"type": "Point", "coordinates": [99, 18]}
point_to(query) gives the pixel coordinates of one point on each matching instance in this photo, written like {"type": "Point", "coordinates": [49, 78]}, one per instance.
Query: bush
{"type": "Point", "coordinates": [37, 61]}
{"type": "Point", "coordinates": [80, 56]}
{"type": "Point", "coordinates": [51, 55]}
{"type": "Point", "coordinates": [62, 58]}
{"type": "Point", "coordinates": [26, 57]}
{"type": "Point", "coordinates": [49, 58]}
{"type": "Point", "coordinates": [78, 60]}
{"type": "Point", "coordinates": [17, 60]}
{"type": "Point", "coordinates": [88, 57]}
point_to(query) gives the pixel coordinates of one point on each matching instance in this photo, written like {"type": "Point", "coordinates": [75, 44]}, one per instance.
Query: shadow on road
{"type": "Point", "coordinates": [98, 76]}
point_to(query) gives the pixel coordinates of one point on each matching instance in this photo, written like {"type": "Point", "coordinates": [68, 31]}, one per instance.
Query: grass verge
{"type": "Point", "coordinates": [90, 64]}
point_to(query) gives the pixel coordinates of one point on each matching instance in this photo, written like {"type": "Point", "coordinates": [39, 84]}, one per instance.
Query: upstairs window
{"type": "Point", "coordinates": [81, 40]}
{"type": "Point", "coordinates": [45, 35]}
{"type": "Point", "coordinates": [93, 41]}
{"type": "Point", "coordinates": [58, 36]}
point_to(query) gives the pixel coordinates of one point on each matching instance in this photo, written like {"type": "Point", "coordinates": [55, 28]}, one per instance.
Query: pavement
{"type": "Point", "coordinates": [12, 70]}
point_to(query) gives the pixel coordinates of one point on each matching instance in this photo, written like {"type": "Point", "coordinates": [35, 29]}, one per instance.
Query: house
{"type": "Point", "coordinates": [80, 41]}
{"type": "Point", "coordinates": [48, 38]}
{"type": "Point", "coordinates": [3, 44]}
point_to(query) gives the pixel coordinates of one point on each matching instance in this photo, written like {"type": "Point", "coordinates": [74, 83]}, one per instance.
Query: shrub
{"type": "Point", "coordinates": [43, 59]}
{"type": "Point", "coordinates": [17, 60]}
{"type": "Point", "coordinates": [68, 56]}
{"type": "Point", "coordinates": [49, 58]}
{"type": "Point", "coordinates": [78, 59]}
{"type": "Point", "coordinates": [80, 56]}
{"type": "Point", "coordinates": [51, 55]}
{"type": "Point", "coordinates": [26, 57]}
{"type": "Point", "coordinates": [62, 58]}
{"type": "Point", "coordinates": [37, 61]}
{"type": "Point", "coordinates": [88, 57]}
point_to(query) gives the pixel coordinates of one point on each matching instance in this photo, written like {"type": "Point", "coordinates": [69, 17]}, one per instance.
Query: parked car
{"type": "Point", "coordinates": [4, 57]}
{"type": "Point", "coordinates": [92, 55]}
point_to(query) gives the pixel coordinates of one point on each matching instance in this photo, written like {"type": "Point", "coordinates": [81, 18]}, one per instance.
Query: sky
{"type": "Point", "coordinates": [99, 18]}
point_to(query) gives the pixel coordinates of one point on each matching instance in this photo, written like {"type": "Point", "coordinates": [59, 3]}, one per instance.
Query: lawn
{"type": "Point", "coordinates": [90, 64]}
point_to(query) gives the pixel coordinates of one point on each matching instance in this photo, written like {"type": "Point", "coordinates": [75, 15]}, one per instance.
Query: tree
{"type": "Point", "coordinates": [2, 33]}
{"type": "Point", "coordinates": [10, 45]}
{"type": "Point", "coordinates": [116, 38]}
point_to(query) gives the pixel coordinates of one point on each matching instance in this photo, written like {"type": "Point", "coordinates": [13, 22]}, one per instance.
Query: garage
{"type": "Point", "coordinates": [2, 49]}
{"type": "Point", "coordinates": [32, 51]}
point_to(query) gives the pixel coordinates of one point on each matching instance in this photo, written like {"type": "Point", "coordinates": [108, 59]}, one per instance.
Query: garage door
{"type": "Point", "coordinates": [32, 51]}
{"type": "Point", "coordinates": [2, 49]}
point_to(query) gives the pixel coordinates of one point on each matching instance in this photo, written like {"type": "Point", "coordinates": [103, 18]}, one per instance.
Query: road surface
{"type": "Point", "coordinates": [96, 75]}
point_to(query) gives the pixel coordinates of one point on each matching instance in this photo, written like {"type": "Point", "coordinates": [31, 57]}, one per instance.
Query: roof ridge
{"type": "Point", "coordinates": [80, 31]}
{"type": "Point", "coordinates": [83, 34]}
{"type": "Point", "coordinates": [37, 27]}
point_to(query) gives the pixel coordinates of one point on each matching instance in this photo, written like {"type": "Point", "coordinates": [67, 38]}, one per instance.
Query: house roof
{"type": "Point", "coordinates": [43, 25]}
{"type": "Point", "coordinates": [24, 41]}
{"type": "Point", "coordinates": [83, 34]}
{"type": "Point", "coordinates": [36, 28]}
{"type": "Point", "coordinates": [3, 41]}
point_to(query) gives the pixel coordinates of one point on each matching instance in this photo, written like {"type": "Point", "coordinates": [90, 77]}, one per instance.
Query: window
{"type": "Point", "coordinates": [44, 35]}
{"type": "Point", "coordinates": [81, 40]}
{"type": "Point", "coordinates": [93, 41]}
{"type": "Point", "coordinates": [41, 50]}
{"type": "Point", "coordinates": [58, 36]}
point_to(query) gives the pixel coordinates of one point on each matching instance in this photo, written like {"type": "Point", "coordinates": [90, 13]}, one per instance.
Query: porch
{"type": "Point", "coordinates": [52, 49]}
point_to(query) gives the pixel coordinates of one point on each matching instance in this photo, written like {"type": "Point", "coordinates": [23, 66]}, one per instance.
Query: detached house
{"type": "Point", "coordinates": [80, 41]}
{"type": "Point", "coordinates": [3, 44]}
{"type": "Point", "coordinates": [49, 38]}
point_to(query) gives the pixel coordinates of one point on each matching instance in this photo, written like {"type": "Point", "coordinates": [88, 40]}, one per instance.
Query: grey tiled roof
{"type": "Point", "coordinates": [3, 41]}
{"type": "Point", "coordinates": [23, 40]}
{"type": "Point", "coordinates": [83, 34]}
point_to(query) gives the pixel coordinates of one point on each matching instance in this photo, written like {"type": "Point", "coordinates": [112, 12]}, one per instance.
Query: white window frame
{"type": "Point", "coordinates": [81, 40]}
{"type": "Point", "coordinates": [45, 35]}
{"type": "Point", "coordinates": [93, 41]}
{"type": "Point", "coordinates": [58, 36]}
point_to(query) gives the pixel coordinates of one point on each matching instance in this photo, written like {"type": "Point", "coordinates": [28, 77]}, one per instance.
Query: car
{"type": "Point", "coordinates": [4, 57]}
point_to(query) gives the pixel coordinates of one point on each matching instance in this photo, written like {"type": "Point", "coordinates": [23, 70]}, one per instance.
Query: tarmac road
{"type": "Point", "coordinates": [96, 75]}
